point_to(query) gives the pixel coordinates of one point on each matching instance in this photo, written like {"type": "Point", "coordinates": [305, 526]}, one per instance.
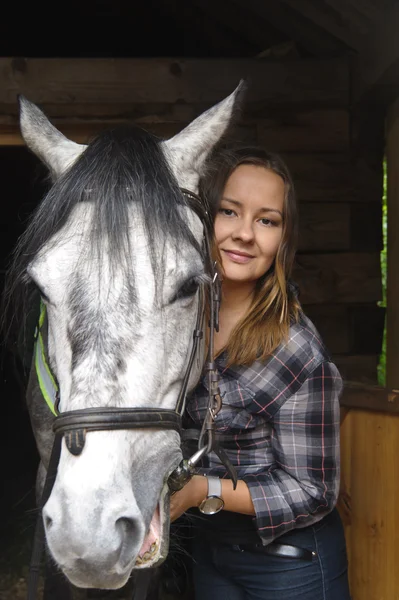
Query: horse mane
{"type": "Point", "coordinates": [121, 165]}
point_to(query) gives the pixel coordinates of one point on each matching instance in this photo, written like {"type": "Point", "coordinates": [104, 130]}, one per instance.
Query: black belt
{"type": "Point", "coordinates": [280, 550]}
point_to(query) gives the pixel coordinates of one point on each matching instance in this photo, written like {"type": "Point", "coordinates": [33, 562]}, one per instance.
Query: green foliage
{"type": "Point", "coordinates": [383, 303]}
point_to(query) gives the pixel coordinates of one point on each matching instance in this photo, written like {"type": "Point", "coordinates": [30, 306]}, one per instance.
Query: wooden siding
{"type": "Point", "coordinates": [298, 108]}
{"type": "Point", "coordinates": [368, 502]}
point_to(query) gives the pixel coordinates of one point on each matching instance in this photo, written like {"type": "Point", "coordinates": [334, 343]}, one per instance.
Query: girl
{"type": "Point", "coordinates": [278, 535]}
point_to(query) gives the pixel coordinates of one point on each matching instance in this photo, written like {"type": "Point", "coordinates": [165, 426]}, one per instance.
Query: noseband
{"type": "Point", "coordinates": [74, 425]}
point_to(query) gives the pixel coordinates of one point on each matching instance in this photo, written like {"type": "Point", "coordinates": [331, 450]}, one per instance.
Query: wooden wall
{"type": "Point", "coordinates": [300, 109]}
{"type": "Point", "coordinates": [369, 502]}
{"type": "Point", "coordinates": [303, 110]}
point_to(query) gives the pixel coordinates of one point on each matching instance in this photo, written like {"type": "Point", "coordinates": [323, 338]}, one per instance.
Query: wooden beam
{"type": "Point", "coordinates": [127, 88]}
{"type": "Point", "coordinates": [205, 33]}
{"type": "Point", "coordinates": [294, 25]}
{"type": "Point", "coordinates": [333, 177]}
{"type": "Point", "coordinates": [382, 47]}
{"type": "Point", "coordinates": [285, 130]}
{"type": "Point", "coordinates": [357, 395]}
{"type": "Point", "coordinates": [338, 278]}
{"type": "Point", "coordinates": [324, 227]}
{"type": "Point", "coordinates": [375, 72]}
{"type": "Point", "coordinates": [315, 130]}
{"type": "Point", "coordinates": [241, 21]}
{"type": "Point", "coordinates": [81, 130]}
{"type": "Point", "coordinates": [351, 15]}
{"type": "Point", "coordinates": [323, 177]}
{"type": "Point", "coordinates": [370, 9]}
{"type": "Point", "coordinates": [321, 15]}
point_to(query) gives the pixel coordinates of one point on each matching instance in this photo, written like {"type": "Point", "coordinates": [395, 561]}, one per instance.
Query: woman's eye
{"type": "Point", "coordinates": [226, 211]}
{"type": "Point", "coordinates": [188, 289]}
{"type": "Point", "coordinates": [268, 222]}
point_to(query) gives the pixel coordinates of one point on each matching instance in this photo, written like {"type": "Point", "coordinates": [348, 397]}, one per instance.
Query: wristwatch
{"type": "Point", "coordinates": [213, 503]}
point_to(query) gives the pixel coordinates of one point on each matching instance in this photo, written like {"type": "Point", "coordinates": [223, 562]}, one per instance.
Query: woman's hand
{"type": "Point", "coordinates": [191, 495]}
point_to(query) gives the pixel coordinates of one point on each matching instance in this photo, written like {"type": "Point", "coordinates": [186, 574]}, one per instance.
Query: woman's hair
{"type": "Point", "coordinates": [275, 304]}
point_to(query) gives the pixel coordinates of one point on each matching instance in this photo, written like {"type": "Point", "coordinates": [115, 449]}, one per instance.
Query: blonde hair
{"type": "Point", "coordinates": [275, 305]}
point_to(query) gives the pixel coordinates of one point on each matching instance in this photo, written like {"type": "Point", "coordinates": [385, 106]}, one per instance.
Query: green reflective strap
{"type": "Point", "coordinates": [47, 384]}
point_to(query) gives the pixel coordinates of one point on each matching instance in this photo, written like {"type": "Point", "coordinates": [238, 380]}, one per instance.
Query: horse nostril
{"type": "Point", "coordinates": [128, 526]}
{"type": "Point", "coordinates": [129, 531]}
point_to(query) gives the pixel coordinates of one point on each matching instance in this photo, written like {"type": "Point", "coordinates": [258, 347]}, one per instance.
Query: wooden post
{"type": "Point", "coordinates": [368, 503]}
{"type": "Point", "coordinates": [392, 152]}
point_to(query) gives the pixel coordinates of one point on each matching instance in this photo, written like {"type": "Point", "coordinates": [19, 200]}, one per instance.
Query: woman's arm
{"type": "Point", "coordinates": [303, 483]}
{"type": "Point", "coordinates": [238, 500]}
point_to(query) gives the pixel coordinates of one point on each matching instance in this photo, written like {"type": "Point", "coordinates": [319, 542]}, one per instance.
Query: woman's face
{"type": "Point", "coordinates": [249, 223]}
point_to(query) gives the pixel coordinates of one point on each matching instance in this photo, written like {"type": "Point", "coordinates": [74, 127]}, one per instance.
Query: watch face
{"type": "Point", "coordinates": [211, 505]}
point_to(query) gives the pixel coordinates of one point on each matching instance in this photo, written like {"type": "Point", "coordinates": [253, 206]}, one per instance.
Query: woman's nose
{"type": "Point", "coordinates": [244, 231]}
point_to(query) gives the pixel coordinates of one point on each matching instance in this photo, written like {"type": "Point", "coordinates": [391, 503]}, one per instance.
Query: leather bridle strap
{"type": "Point", "coordinates": [197, 336]}
{"type": "Point", "coordinates": [75, 423]}
{"type": "Point", "coordinates": [94, 419]}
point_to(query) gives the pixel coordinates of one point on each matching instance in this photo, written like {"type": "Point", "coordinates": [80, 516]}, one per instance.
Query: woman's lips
{"type": "Point", "coordinates": [238, 257]}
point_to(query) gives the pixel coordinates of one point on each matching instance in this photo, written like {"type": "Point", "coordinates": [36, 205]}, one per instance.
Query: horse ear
{"type": "Point", "coordinates": [56, 151]}
{"type": "Point", "coordinates": [188, 150]}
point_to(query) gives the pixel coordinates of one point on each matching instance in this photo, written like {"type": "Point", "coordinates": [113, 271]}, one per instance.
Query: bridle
{"type": "Point", "coordinates": [74, 425]}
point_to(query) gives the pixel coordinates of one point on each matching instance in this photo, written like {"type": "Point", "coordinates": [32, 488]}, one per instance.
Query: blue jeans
{"type": "Point", "coordinates": [226, 572]}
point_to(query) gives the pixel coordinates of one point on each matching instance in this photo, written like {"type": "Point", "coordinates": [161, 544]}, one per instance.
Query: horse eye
{"type": "Point", "coordinates": [188, 289]}
{"type": "Point", "coordinates": [42, 294]}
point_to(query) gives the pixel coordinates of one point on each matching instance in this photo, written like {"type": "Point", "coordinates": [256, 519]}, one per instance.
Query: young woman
{"type": "Point", "coordinates": [278, 535]}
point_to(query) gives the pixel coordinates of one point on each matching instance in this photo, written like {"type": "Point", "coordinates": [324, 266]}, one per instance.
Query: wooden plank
{"type": "Point", "coordinates": [344, 504]}
{"type": "Point", "coordinates": [318, 130]}
{"type": "Point", "coordinates": [378, 62]}
{"type": "Point", "coordinates": [351, 16]}
{"type": "Point", "coordinates": [129, 82]}
{"type": "Point", "coordinates": [333, 177]}
{"type": "Point", "coordinates": [324, 226]}
{"type": "Point", "coordinates": [237, 18]}
{"type": "Point", "coordinates": [356, 395]}
{"type": "Point", "coordinates": [82, 130]}
{"type": "Point", "coordinates": [371, 447]}
{"type": "Point", "coordinates": [328, 20]}
{"type": "Point", "coordinates": [202, 34]}
{"type": "Point", "coordinates": [338, 278]}
{"type": "Point", "coordinates": [369, 9]}
{"type": "Point", "coordinates": [295, 27]}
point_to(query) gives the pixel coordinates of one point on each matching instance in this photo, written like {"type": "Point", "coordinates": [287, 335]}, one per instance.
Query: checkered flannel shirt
{"type": "Point", "coordinates": [279, 425]}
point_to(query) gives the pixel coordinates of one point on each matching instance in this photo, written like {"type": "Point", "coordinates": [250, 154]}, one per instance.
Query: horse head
{"type": "Point", "coordinates": [115, 251]}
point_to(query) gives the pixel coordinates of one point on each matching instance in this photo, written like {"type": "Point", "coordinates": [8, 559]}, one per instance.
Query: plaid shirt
{"type": "Point", "coordinates": [279, 425]}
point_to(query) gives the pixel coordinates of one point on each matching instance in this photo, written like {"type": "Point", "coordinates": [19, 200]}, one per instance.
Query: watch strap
{"type": "Point", "coordinates": [214, 486]}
